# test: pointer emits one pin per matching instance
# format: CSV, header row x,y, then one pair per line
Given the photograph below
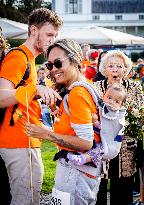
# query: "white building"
x,y
121,15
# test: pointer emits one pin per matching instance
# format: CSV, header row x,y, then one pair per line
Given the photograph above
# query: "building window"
x,y
73,6
118,17
97,18
141,17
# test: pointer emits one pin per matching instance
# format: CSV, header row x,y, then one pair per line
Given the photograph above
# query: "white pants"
x,y
18,168
82,189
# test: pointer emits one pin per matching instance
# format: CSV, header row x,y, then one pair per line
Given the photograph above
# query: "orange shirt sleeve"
x,y
81,106
13,67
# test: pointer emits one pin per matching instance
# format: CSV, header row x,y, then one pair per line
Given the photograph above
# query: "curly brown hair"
x,y
39,17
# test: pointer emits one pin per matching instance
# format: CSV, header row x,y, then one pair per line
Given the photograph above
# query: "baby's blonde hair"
x,y
120,88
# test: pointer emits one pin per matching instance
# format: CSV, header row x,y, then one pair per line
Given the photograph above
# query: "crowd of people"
x,y
43,104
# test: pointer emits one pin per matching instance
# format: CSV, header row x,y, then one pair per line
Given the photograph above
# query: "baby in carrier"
x,y
109,124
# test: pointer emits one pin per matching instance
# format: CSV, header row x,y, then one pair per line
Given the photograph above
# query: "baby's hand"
x,y
95,120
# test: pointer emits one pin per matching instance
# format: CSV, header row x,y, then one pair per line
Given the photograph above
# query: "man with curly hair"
x,y
43,27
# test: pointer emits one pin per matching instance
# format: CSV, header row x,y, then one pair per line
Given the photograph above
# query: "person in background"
x,y
132,74
91,70
5,195
43,27
43,76
142,74
85,47
4,46
74,132
98,75
140,65
115,66
43,80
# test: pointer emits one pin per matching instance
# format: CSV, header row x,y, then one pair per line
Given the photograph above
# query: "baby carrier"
x,y
112,122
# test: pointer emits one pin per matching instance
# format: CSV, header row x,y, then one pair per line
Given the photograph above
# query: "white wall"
x,y
86,17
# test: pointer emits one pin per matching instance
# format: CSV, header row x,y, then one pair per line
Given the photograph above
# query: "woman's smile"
x,y
58,75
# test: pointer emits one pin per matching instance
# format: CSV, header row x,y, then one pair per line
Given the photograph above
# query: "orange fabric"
x,y
48,82
89,175
81,107
85,63
13,68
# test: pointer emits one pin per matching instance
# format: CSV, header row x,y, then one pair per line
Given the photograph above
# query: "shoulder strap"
x,y
23,80
90,88
2,56
103,84
27,71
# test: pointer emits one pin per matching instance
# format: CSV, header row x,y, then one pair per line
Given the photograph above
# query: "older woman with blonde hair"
x,y
115,66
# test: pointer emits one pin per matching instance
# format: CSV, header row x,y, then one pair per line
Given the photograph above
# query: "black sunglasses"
x,y
57,63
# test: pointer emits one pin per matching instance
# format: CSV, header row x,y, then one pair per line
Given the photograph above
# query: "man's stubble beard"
x,y
37,45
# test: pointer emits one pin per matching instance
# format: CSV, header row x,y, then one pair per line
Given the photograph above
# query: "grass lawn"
x,y
48,151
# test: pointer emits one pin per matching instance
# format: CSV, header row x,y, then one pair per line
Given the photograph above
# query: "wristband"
x,y
21,91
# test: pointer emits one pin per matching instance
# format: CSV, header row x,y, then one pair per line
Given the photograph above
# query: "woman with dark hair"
x,y
73,131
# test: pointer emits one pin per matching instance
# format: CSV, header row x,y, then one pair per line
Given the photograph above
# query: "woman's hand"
x,y
68,141
48,95
37,131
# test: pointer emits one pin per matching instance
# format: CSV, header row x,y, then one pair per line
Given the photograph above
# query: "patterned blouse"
x,y
127,162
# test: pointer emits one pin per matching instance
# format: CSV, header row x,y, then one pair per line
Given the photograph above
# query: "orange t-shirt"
x,y
81,107
13,68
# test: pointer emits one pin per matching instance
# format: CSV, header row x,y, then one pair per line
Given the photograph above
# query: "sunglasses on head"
x,y
57,63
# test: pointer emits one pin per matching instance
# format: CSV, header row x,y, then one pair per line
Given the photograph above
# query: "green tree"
x,y
135,56
27,6
142,54
18,10
10,3
47,5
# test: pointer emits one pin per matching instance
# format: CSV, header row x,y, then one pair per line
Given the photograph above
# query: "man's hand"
x,y
48,95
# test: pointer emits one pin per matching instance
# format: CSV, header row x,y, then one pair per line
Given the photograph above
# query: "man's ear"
x,y
33,30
